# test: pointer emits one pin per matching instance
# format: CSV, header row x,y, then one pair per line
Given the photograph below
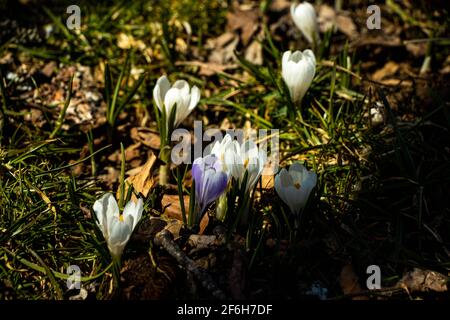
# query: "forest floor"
x,y
374,125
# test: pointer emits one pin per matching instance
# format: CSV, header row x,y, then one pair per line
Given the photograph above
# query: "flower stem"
x,y
164,169
116,271
164,175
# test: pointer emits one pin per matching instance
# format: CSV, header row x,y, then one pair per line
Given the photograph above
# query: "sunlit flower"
x,y
298,70
117,227
225,150
179,94
252,161
210,181
305,18
295,185
238,159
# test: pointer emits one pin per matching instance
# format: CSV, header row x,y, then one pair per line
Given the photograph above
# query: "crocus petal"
x,y
190,101
210,181
308,54
119,235
231,162
217,149
295,199
216,183
171,98
309,181
100,209
112,211
284,60
220,147
183,100
160,90
195,97
297,172
197,175
301,76
283,181
135,210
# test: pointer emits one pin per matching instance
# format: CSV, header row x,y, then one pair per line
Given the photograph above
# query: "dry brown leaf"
x,y
417,49
222,48
49,69
171,205
147,137
346,25
111,177
244,21
142,178
36,117
389,69
279,5
207,68
221,41
132,152
328,19
349,282
203,224
172,209
267,181
254,53
420,280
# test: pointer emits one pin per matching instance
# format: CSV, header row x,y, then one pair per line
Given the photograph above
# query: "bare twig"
x,y
165,240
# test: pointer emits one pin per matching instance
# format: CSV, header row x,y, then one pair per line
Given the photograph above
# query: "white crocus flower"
x,y
237,159
298,70
227,151
179,94
305,18
116,227
295,185
253,161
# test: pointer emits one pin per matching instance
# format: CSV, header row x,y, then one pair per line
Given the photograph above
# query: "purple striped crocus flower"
x,y
210,182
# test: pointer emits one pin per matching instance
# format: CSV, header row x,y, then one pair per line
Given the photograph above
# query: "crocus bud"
x,y
295,185
305,19
222,207
179,94
298,70
117,227
377,114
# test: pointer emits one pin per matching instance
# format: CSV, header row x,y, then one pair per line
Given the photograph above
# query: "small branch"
x,y
165,240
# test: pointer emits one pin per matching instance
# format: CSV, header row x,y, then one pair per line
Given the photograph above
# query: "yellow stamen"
x,y
297,185
246,163
121,217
